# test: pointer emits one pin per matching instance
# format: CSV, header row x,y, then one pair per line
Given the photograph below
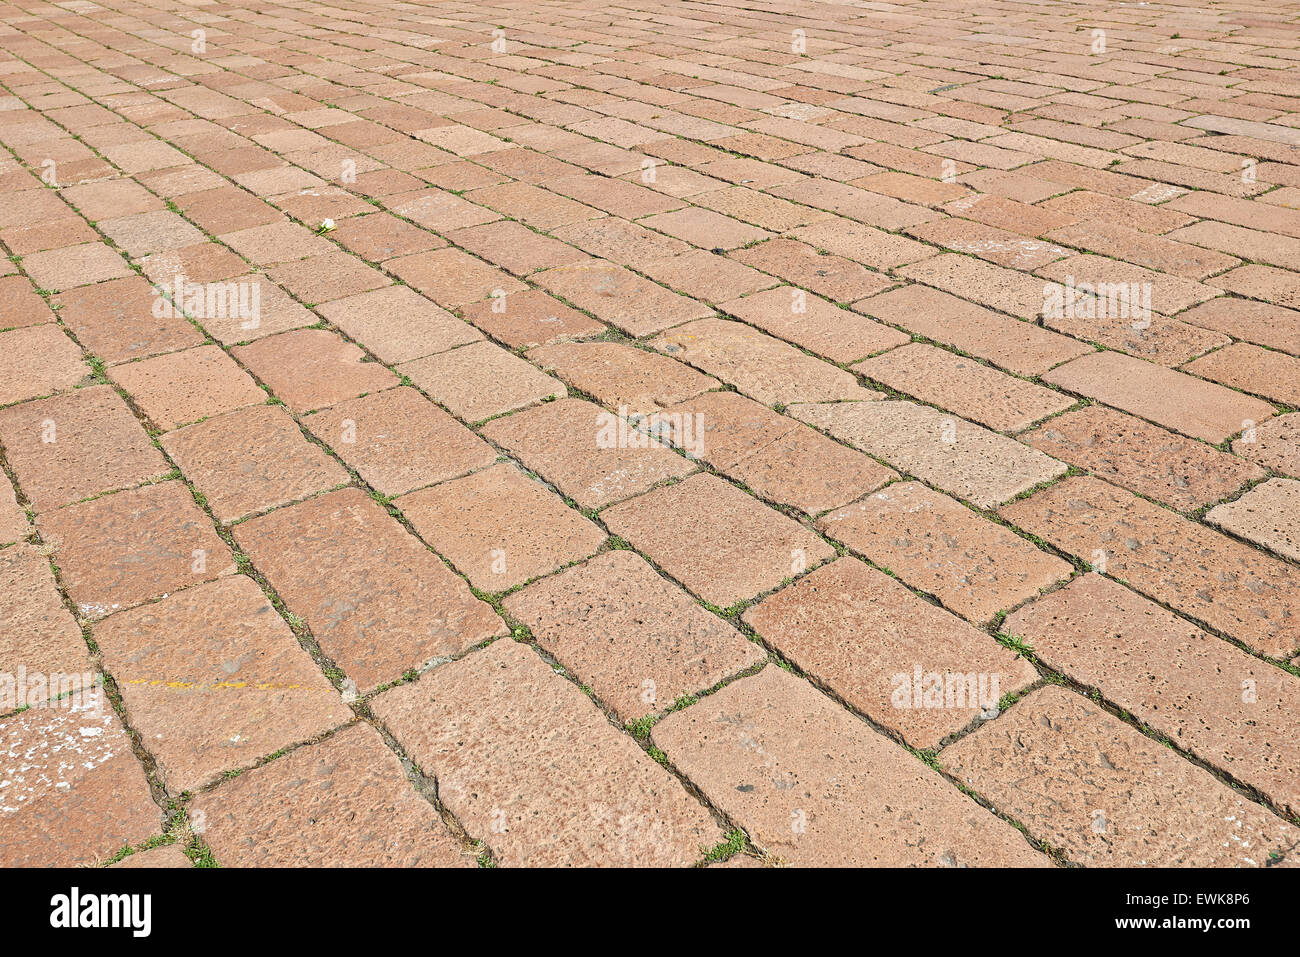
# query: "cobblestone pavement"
x,y
653,432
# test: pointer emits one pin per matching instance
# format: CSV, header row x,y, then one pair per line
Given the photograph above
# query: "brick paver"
x,y
1208,576
812,785
720,543
938,546
871,641
957,456
213,678
553,783
339,343
375,599
354,793
251,460
636,639
1209,697
499,527
1142,805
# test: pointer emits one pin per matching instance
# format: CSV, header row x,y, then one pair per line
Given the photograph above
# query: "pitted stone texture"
x,y
815,786
1274,444
13,518
620,297
499,527
277,312
1145,458
213,679
342,802
21,305
836,278
129,547
1268,515
1003,289
515,745
397,324
880,648
778,458
168,855
38,360
1221,704
73,446
586,452
960,457
531,318
75,792
981,394
620,376
1172,399
764,368
398,440
974,566
722,544
187,386
313,368
1013,345
38,636
1258,322
638,641
814,324
251,460
1263,372
1202,573
1081,780
376,600
480,380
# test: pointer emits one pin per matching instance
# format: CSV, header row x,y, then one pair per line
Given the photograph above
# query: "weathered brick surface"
x,y
1016,346
38,636
376,600
342,802
775,456
585,452
74,446
814,785
312,368
1268,515
766,318
620,376
721,543
984,395
1274,444
972,565
1249,368
533,768
1083,781
1208,696
1142,457
187,386
75,793
499,527
480,380
129,547
958,456
877,645
814,324
251,460
213,679
1202,573
1172,399
398,440
36,361
758,365
637,640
